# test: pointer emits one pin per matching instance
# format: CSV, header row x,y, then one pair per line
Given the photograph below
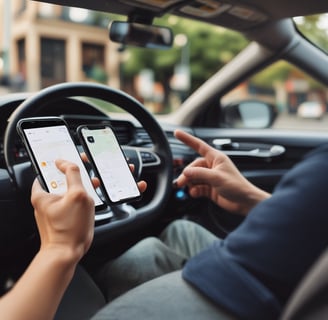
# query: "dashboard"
x,y
17,223
76,112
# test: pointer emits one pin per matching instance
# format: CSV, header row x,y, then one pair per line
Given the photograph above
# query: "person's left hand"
x,y
65,222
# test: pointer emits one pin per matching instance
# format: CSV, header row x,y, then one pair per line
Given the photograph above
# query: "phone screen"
x,y
49,143
110,163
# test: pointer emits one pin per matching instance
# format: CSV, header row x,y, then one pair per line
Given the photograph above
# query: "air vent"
x,y
142,137
123,133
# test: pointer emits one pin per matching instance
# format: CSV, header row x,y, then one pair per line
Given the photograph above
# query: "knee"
x,y
176,228
140,253
144,250
148,244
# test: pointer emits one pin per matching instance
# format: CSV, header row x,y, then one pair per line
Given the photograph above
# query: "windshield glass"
x,y
163,79
74,46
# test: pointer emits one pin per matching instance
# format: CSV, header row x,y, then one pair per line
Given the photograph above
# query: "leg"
x,y
153,257
146,260
186,238
167,297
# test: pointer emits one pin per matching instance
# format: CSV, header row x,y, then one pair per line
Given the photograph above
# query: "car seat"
x,y
310,299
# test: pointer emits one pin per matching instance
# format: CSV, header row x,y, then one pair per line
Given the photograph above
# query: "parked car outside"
x,y
311,110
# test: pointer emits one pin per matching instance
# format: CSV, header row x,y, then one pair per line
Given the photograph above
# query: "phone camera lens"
x,y
91,139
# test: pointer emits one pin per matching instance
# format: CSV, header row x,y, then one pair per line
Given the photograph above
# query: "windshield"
x,y
82,51
165,78
71,44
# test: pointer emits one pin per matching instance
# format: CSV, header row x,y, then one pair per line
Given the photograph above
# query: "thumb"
x,y
72,173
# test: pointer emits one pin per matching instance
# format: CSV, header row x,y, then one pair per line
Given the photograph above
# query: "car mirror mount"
x,y
141,35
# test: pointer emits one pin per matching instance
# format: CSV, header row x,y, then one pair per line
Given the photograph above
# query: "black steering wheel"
x,y
126,216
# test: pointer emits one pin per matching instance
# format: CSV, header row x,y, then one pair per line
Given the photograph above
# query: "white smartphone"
x,y
46,140
109,162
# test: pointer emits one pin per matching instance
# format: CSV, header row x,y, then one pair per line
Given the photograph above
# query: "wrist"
x,y
62,255
255,196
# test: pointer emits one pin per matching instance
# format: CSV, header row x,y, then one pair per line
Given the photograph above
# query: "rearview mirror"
x,y
141,35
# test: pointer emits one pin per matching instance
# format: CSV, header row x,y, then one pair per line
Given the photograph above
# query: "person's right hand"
x,y
65,222
214,175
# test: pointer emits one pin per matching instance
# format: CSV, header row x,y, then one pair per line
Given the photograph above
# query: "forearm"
x,y
38,292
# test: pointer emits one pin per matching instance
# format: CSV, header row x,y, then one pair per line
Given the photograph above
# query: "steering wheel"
x,y
126,216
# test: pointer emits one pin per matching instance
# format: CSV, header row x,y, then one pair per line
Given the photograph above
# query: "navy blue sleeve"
x,y
255,269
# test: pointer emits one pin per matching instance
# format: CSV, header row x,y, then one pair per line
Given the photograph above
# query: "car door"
x,y
263,153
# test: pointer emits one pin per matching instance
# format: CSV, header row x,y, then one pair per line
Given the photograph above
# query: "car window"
x,y
300,101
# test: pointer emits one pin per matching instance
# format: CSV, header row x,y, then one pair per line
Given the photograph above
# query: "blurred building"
x,y
51,44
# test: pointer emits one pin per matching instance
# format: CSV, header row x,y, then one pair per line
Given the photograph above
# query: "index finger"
x,y
197,144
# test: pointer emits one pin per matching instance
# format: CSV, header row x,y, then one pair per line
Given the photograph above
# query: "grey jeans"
x,y
164,298
147,278
153,257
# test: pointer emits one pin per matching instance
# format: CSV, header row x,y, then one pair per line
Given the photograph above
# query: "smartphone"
x,y
46,140
109,162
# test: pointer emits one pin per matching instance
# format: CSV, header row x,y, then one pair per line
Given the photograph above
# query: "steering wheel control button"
x,y
147,157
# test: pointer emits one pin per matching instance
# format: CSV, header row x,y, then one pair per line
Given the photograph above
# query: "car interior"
x,y
262,152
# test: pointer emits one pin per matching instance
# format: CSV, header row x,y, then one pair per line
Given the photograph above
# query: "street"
x,y
291,121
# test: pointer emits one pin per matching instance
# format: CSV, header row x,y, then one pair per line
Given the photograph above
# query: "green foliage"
x,y
279,72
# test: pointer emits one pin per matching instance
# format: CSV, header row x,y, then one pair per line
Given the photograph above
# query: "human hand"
x,y
65,222
214,176
142,185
